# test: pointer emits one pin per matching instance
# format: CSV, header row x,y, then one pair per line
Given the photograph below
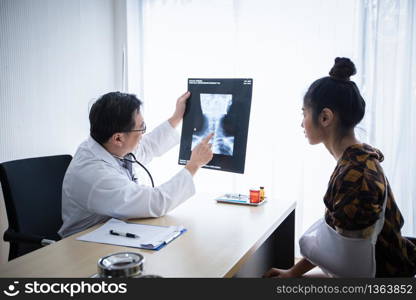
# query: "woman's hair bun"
x,y
342,69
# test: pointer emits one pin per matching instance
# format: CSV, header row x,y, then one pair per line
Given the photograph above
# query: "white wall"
x,y
284,46
55,57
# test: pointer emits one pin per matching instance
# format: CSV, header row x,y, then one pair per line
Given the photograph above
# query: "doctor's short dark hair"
x,y
339,94
112,113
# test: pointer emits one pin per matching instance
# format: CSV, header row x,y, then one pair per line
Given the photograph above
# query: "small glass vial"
x,y
254,196
262,195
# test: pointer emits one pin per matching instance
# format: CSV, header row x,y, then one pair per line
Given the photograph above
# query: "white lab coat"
x,y
96,187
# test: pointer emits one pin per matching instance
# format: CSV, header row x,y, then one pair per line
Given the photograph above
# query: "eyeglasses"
x,y
142,130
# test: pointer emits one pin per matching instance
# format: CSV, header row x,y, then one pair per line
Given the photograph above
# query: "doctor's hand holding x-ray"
x,y
100,183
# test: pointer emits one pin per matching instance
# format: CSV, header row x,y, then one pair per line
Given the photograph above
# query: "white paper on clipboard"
x,y
150,236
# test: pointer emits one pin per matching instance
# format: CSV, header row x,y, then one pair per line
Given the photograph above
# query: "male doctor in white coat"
x,y
100,182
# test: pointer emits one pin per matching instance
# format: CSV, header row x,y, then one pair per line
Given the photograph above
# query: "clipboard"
x,y
150,237
238,199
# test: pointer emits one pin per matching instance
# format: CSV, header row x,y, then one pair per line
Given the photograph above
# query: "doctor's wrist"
x,y
174,121
191,167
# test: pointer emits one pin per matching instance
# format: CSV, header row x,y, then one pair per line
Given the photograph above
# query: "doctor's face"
x,y
133,137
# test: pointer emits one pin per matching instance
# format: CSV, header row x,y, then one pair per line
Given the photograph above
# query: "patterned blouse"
x,y
354,200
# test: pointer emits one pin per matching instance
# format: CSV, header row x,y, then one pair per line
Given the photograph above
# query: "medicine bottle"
x,y
262,195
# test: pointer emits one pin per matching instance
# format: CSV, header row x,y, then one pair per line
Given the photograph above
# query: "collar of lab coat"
x,y
101,153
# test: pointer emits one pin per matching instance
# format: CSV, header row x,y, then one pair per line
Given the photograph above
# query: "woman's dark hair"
x,y
111,113
337,93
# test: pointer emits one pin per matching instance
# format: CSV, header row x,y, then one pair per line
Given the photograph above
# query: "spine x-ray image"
x,y
222,107
214,108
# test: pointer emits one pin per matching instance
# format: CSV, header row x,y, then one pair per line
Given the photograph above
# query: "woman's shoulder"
x,y
360,161
357,177
361,153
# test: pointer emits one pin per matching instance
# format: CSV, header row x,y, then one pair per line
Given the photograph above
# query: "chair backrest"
x,y
32,190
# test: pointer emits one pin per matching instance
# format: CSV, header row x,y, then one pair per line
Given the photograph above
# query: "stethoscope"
x,y
132,161
123,159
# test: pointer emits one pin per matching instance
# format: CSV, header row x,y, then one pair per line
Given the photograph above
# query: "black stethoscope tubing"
x,y
136,161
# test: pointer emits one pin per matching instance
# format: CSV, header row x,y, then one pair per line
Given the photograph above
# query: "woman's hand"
x,y
179,110
280,273
297,270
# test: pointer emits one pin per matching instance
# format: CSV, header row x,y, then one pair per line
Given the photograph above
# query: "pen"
x,y
175,235
126,234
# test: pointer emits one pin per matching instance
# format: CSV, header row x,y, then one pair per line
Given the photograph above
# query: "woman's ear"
x,y
326,117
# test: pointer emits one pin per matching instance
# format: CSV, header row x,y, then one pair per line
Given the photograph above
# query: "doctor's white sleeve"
x,y
157,142
118,197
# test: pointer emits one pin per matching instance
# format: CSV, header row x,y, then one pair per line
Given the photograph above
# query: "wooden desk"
x,y
223,240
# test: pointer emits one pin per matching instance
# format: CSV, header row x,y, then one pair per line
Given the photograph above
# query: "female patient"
x,y
332,107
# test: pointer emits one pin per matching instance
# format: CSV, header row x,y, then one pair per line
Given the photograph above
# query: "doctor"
x,y
100,182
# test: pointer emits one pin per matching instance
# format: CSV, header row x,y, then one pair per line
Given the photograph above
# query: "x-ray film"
x,y
222,107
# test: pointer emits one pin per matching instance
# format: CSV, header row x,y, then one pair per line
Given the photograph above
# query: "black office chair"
x,y
32,190
412,239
